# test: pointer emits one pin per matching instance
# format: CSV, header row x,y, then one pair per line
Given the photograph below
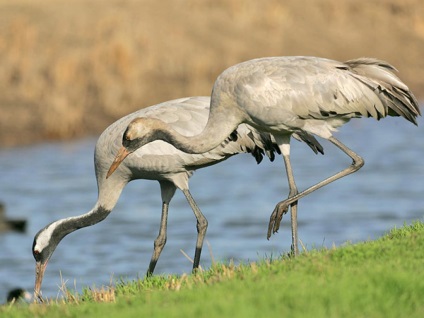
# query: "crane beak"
x,y
122,154
40,268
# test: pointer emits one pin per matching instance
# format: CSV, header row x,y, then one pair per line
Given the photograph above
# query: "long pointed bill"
x,y
40,268
122,154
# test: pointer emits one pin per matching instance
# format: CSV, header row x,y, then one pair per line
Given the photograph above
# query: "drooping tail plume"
x,y
379,76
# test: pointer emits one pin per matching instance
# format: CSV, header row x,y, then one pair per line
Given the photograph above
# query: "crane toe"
x,y
277,215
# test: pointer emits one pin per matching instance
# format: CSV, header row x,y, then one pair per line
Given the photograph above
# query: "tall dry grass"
x,y
68,69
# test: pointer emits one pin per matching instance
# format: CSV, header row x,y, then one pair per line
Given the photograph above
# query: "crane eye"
x,y
36,252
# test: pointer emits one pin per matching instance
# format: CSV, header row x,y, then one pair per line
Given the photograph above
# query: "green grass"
x,y
382,278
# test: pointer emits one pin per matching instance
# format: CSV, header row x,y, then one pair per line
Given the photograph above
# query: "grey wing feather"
x,y
310,140
378,75
260,143
247,139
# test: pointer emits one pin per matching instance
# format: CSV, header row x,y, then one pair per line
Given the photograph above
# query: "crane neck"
x,y
108,195
66,226
220,125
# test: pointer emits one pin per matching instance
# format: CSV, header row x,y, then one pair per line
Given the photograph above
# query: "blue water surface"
x,y
50,181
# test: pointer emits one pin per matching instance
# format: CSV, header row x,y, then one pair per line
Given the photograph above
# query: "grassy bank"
x,y
382,278
69,69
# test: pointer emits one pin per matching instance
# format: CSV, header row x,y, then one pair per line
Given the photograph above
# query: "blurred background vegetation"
x,y
70,68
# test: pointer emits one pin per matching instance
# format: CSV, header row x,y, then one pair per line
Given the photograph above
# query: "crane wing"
x,y
281,90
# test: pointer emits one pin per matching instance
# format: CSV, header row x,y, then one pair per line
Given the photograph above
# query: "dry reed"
x,y
70,69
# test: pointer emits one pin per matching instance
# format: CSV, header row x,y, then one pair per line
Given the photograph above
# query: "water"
x,y
51,181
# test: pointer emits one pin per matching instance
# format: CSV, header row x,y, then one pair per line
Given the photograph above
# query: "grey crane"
x,y
284,96
158,161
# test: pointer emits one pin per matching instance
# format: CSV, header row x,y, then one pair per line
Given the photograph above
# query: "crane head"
x,y
45,242
139,132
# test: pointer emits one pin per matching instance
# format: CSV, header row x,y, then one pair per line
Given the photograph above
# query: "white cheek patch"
x,y
44,238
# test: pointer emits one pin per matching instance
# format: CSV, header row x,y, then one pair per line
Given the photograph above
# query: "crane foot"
x,y
277,215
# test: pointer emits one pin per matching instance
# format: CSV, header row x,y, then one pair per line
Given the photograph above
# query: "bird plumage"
x,y
157,161
312,94
283,95
292,95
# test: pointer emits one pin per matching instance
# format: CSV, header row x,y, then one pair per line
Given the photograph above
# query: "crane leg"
x,y
293,206
295,239
284,145
282,207
160,240
202,226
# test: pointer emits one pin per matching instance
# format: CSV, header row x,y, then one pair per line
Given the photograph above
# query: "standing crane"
x,y
287,95
157,161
